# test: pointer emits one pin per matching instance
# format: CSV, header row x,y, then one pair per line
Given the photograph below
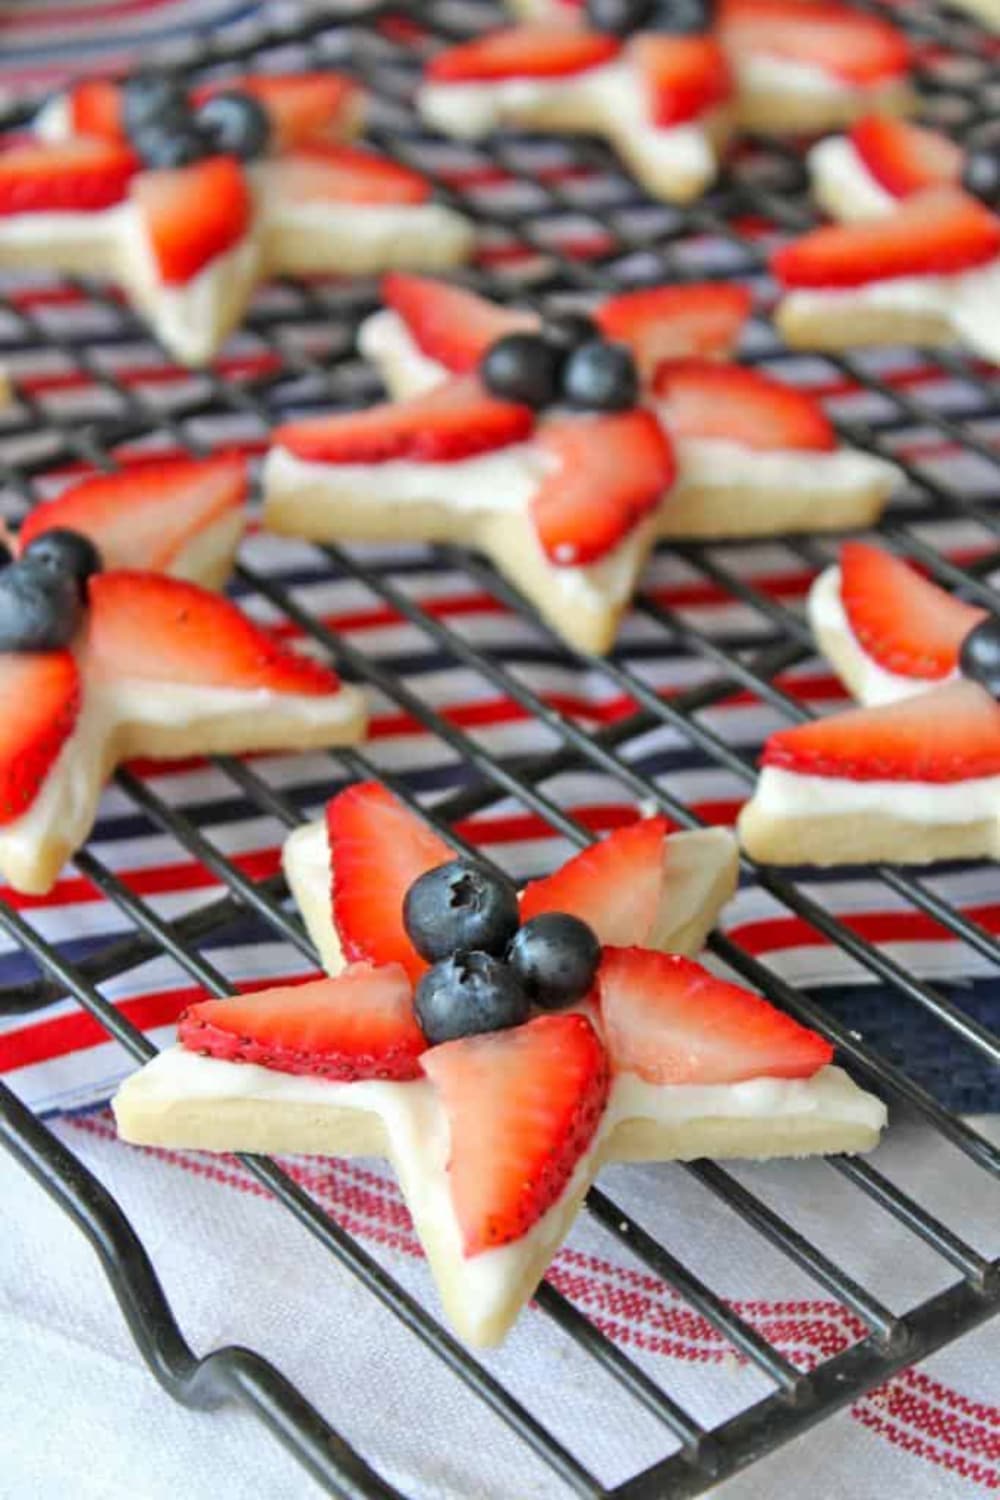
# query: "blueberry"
x,y
522,367
149,97
555,956
682,17
979,657
64,551
234,124
40,608
981,175
468,993
6,555
460,906
567,331
601,376
174,142
619,17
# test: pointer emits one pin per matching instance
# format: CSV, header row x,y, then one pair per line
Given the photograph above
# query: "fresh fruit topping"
x,y
615,886
672,322
838,39
41,606
65,552
684,76
234,124
80,174
157,629
302,106
144,516
957,738
448,324
522,52
619,17
522,367
700,398
460,906
466,994
908,624
320,172
174,142
905,158
522,1108
568,330
193,214
555,956
151,98
671,1021
940,231
981,169
378,848
979,657
95,108
358,1025
452,422
601,377
39,704
610,473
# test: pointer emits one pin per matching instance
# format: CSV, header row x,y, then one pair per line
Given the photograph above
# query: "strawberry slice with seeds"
x,y
146,515
610,472
523,52
698,398
937,232
78,175
453,421
358,1025
193,214
149,628
671,1021
378,848
449,324
39,705
672,322
302,106
320,172
95,108
955,737
684,76
522,1108
903,620
905,158
615,886
860,48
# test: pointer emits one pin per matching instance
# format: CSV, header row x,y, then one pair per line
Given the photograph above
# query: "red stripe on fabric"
x,y
877,927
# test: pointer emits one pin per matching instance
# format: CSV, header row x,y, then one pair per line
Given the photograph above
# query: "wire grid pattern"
x,y
558,220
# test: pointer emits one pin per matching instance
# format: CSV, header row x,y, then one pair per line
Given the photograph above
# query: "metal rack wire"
x,y
560,220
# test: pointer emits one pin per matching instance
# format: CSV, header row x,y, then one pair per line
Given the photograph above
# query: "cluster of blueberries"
x,y
487,970
979,655
44,591
622,17
567,361
165,130
981,173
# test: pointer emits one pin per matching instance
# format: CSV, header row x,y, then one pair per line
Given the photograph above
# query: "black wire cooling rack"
x,y
557,218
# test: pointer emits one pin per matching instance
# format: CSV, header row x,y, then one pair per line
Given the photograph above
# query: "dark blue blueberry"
x,y
981,174
556,957
568,330
234,124
522,367
682,17
172,142
601,377
149,98
979,657
460,906
619,17
64,551
6,556
466,994
40,607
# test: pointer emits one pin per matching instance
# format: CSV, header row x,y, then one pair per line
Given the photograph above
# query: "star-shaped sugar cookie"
x,y
496,1135
189,242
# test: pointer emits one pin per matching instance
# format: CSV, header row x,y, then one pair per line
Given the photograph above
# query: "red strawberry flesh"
x,y
684,76
905,158
95,109
39,704
193,214
615,886
706,399
523,52
302,106
80,175
450,324
860,48
907,623
673,322
318,172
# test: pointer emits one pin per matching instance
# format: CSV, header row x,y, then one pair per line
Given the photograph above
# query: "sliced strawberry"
x,y
939,231
359,1025
321,172
908,624
905,158
452,422
95,108
150,628
615,886
144,516
861,48
192,214
302,106
377,850
81,174
39,705
611,471
522,1108
672,322
954,736
448,323
684,76
671,1021
699,398
523,52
